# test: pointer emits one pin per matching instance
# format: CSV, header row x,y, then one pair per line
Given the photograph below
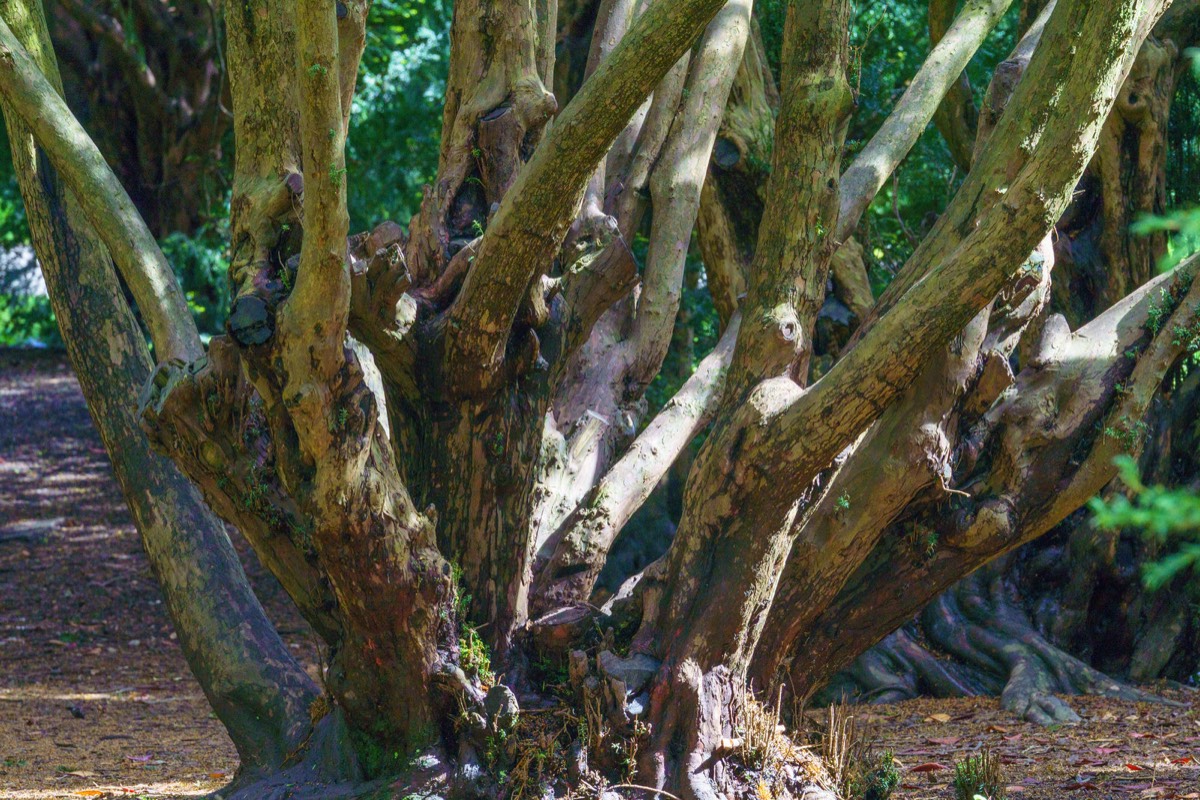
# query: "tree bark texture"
x,y
517,325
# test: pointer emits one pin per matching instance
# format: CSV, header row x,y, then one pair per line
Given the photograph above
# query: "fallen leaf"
x,y
947,741
931,766
938,718
1134,768
90,793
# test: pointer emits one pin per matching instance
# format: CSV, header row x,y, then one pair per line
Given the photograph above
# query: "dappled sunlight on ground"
x,y
96,700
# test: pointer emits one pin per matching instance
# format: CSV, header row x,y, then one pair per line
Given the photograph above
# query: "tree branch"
x,y
924,95
314,317
103,201
535,213
956,115
796,238
255,687
784,434
582,545
676,182
1083,391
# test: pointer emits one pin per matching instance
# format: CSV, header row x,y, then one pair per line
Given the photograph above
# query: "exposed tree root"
x,y
993,647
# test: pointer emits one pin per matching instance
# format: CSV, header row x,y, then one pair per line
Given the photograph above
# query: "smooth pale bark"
x,y
534,215
675,185
258,691
930,89
956,115
608,377
102,200
580,552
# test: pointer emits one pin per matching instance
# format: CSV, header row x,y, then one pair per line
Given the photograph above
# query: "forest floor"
x,y
96,700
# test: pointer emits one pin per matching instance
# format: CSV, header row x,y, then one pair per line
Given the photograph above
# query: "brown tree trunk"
x,y
1098,257
255,686
513,315
999,642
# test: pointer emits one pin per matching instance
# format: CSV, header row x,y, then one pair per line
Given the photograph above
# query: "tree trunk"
x,y
449,561
1048,601
147,80
256,688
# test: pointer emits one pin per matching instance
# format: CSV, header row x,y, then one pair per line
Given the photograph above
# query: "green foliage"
x,y
201,265
395,125
24,319
473,654
475,658
1169,518
14,227
879,779
979,777
1182,227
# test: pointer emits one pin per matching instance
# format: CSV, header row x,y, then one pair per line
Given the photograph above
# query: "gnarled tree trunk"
x,y
447,559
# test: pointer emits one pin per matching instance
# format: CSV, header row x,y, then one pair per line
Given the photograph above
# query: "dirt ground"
x,y
96,701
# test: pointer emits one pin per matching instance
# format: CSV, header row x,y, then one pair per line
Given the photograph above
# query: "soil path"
x,y
95,697
96,700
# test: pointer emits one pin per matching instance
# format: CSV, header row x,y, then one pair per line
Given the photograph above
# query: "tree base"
x,y
976,640
588,740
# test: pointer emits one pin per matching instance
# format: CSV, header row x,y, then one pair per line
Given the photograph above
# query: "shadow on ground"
x,y
96,700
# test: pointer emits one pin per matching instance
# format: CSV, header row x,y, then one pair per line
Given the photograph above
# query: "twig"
x,y
645,789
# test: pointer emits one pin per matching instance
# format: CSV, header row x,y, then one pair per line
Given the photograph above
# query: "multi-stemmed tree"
x,y
461,512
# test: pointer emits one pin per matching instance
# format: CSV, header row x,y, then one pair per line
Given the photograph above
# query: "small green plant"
x,y
474,657
1159,310
1128,433
843,502
879,778
473,654
477,226
338,423
979,776
317,70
